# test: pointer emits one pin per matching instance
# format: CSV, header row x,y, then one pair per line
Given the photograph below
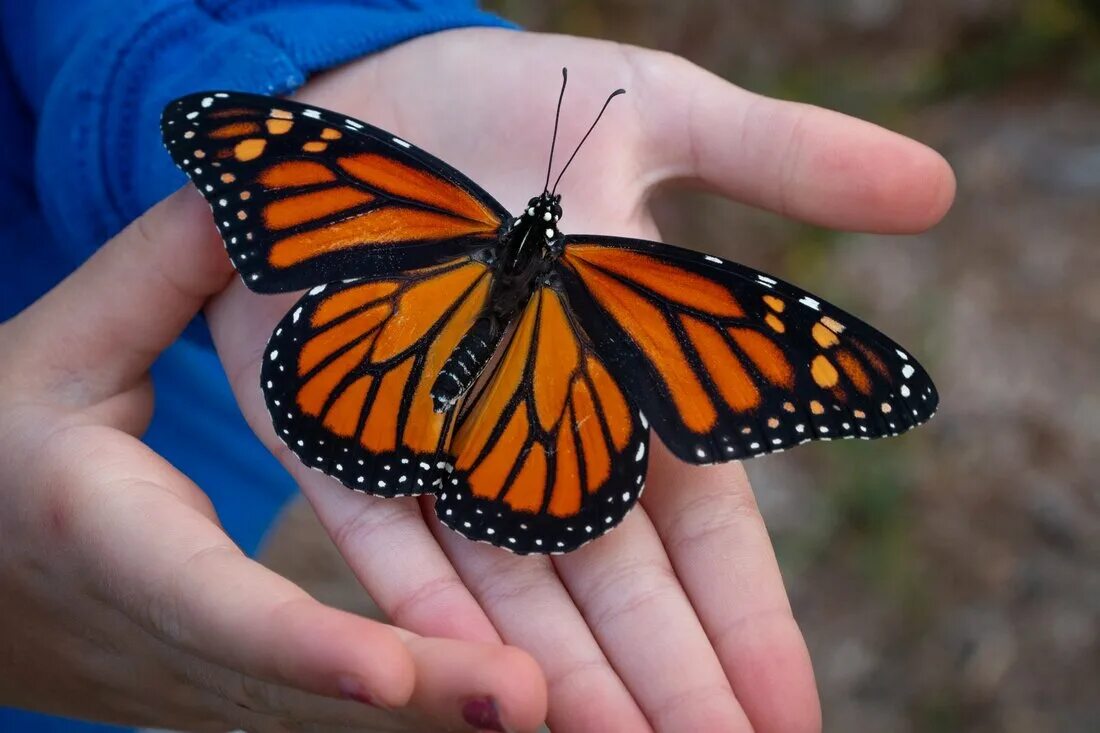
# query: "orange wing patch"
x,y
550,451
766,355
345,301
566,494
343,416
378,226
235,129
526,493
544,383
555,362
488,480
349,370
307,207
331,340
406,182
295,173
649,328
425,425
420,307
724,367
315,393
380,431
668,281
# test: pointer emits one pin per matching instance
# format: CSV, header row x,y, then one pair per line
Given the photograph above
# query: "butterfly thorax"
x,y
526,248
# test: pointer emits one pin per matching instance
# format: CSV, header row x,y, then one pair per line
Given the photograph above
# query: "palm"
x,y
677,620
493,120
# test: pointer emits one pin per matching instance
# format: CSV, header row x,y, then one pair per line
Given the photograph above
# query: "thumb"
x,y
798,160
112,317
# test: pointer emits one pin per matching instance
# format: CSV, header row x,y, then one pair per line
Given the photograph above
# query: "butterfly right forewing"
x,y
728,362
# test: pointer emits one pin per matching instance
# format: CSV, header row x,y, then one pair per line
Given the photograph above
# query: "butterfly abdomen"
x,y
465,363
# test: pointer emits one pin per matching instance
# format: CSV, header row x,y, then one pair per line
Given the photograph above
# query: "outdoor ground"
x,y
948,580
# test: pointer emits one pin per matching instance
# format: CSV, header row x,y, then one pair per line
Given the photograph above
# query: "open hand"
x,y
677,620
121,599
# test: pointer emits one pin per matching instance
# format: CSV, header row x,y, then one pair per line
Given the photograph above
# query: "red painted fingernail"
x,y
483,714
352,689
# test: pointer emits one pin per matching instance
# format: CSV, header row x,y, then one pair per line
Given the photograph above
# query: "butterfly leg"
x,y
556,247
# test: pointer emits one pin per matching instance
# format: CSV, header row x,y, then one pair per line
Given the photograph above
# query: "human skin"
x,y
678,619
122,599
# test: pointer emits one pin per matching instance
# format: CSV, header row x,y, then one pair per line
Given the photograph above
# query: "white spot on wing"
x,y
401,142
715,260
809,302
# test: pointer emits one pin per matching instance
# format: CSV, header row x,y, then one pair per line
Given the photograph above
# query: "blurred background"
x,y
947,580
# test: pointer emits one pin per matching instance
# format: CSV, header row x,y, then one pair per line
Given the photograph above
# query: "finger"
x,y
397,559
719,547
460,685
391,551
625,586
798,160
110,318
484,686
531,609
178,576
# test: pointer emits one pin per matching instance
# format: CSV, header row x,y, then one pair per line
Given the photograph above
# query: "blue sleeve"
x,y
96,74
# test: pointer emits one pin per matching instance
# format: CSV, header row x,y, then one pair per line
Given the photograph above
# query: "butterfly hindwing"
x,y
348,372
551,453
728,362
304,196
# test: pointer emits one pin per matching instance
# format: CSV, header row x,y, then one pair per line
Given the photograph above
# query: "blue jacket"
x,y
82,84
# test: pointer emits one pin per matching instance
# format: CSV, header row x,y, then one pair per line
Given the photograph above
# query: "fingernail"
x,y
483,714
352,689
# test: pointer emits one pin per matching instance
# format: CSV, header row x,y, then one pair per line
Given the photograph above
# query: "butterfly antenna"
x,y
613,94
557,116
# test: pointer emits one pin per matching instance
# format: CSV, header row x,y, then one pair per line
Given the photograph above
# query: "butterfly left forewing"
x,y
550,454
728,362
304,196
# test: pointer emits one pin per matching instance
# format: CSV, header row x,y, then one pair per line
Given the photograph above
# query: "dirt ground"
x,y
948,580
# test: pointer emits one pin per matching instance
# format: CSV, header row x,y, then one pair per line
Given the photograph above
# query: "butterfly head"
x,y
546,208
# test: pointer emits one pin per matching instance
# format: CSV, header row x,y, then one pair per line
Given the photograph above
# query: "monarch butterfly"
x,y
447,347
